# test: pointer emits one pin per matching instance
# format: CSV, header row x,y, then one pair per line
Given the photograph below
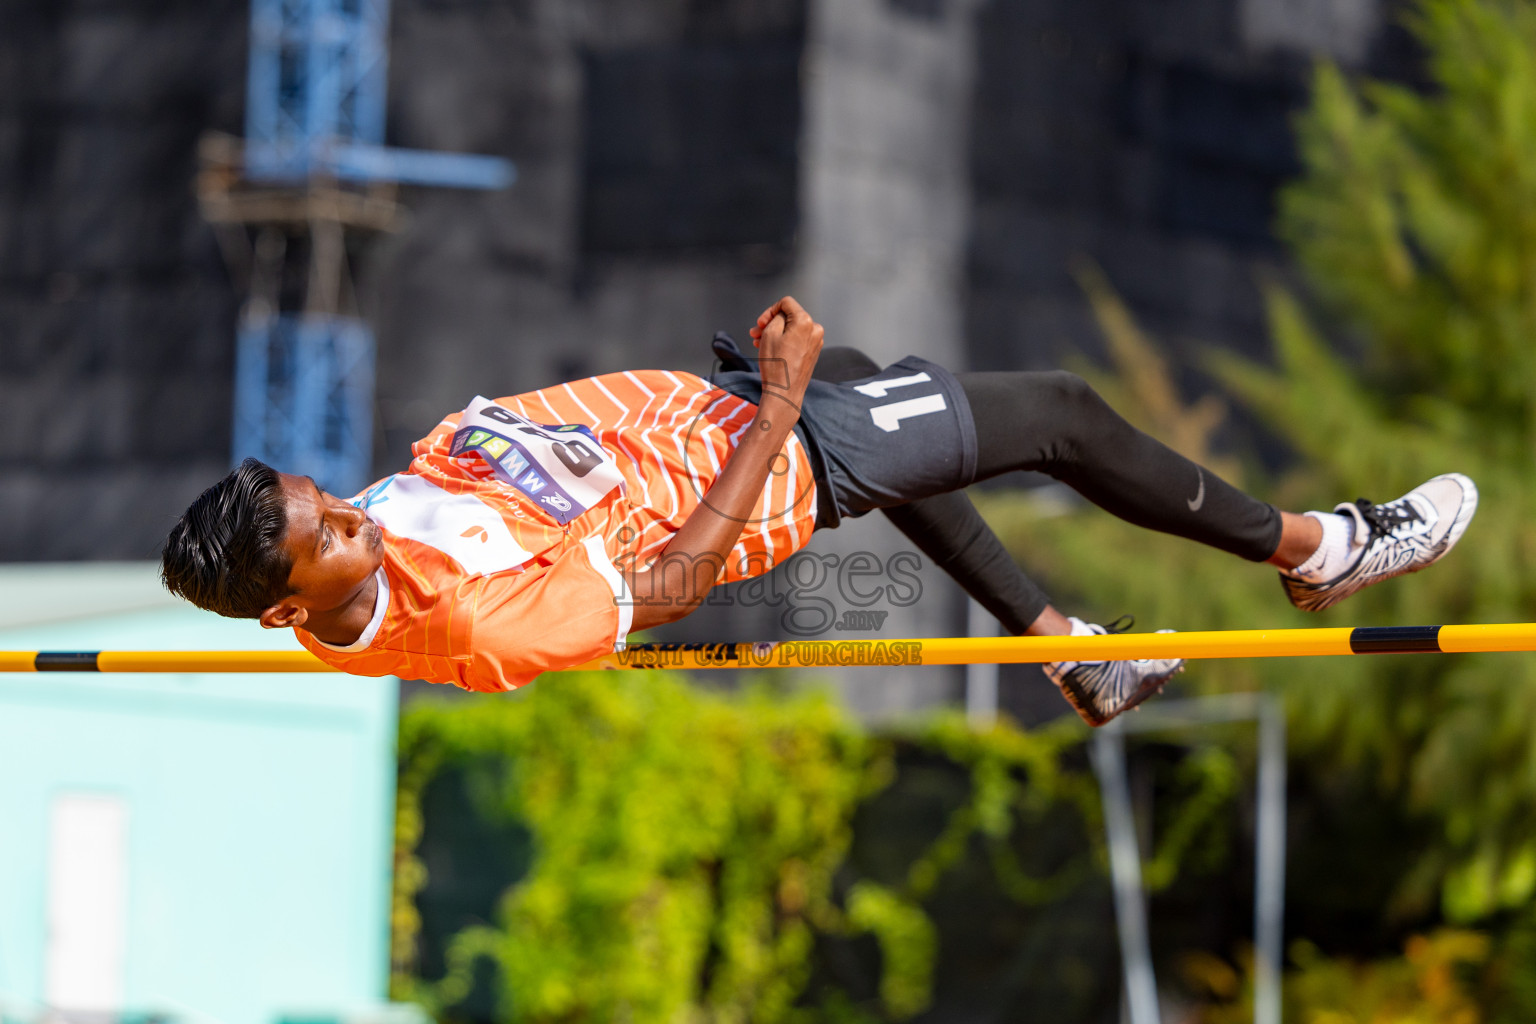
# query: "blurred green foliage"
x,y
1436,980
684,846
691,848
1415,223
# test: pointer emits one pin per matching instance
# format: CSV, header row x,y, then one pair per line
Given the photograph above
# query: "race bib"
x,y
561,469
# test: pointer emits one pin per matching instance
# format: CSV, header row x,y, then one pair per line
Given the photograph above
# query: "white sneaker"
x,y
1100,690
1389,540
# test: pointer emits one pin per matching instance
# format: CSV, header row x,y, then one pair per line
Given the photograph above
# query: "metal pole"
x,y
1269,842
1108,752
1269,880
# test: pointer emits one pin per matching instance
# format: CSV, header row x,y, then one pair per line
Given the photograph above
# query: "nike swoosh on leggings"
x,y
1199,498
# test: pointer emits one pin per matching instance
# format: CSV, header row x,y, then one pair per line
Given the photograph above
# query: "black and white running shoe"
x,y
1100,690
1389,540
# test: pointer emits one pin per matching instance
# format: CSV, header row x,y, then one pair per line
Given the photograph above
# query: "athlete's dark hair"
x,y
225,554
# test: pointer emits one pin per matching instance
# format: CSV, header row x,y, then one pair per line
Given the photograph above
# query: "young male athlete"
x,y
533,533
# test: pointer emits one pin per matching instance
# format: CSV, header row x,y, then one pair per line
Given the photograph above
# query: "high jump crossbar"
x,y
1240,643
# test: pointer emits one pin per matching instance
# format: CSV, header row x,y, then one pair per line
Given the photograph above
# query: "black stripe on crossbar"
x,y
66,661
1395,639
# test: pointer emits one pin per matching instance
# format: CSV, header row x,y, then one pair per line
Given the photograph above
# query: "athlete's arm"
x,y
788,342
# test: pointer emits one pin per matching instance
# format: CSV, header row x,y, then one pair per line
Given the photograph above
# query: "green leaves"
x,y
1415,224
673,831
1416,215
685,851
907,942
693,850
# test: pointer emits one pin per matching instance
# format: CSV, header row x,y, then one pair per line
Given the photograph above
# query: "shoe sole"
x,y
1150,687
1463,515
1298,592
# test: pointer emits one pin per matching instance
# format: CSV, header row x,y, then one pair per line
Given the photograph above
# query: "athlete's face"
x,y
334,547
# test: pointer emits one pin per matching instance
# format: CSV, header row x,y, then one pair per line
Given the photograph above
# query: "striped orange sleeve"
x,y
389,661
547,620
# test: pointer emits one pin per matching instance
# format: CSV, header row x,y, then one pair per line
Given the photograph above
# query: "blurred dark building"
x,y
116,314
925,174
1150,138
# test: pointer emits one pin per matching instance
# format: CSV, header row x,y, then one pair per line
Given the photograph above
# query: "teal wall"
x,y
260,813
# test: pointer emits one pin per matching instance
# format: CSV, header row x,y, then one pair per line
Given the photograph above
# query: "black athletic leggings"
x,y
1054,423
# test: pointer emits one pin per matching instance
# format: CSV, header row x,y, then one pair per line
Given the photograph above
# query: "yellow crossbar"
x,y
1241,643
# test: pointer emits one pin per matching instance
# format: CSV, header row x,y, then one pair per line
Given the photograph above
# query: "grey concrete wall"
x,y
886,206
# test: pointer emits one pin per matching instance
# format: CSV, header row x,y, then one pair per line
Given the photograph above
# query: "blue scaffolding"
x,y
304,396
315,117
316,99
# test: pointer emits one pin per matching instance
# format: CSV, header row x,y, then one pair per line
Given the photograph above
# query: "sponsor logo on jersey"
x,y
460,525
374,495
514,463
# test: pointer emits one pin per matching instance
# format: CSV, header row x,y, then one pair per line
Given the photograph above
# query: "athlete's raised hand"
x,y
788,342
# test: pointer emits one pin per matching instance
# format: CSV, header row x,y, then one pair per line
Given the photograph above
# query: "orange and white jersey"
x,y
503,536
